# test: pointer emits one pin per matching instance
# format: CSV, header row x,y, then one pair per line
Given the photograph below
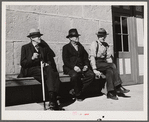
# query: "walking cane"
x,y
43,88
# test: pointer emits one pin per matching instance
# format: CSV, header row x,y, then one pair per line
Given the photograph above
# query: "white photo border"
x,y
67,115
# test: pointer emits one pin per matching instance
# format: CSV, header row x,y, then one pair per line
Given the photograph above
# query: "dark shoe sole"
x,y
122,92
80,100
56,108
113,98
59,109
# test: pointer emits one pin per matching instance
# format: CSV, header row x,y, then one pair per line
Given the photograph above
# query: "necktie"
x,y
37,48
105,44
76,47
38,51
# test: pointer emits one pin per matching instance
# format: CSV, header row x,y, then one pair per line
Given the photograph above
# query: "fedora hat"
x,y
102,32
34,32
73,33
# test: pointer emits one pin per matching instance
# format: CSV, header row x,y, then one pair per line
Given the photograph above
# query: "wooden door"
x,y
128,42
124,54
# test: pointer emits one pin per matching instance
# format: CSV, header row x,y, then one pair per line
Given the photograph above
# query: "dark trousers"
x,y
79,82
51,77
112,76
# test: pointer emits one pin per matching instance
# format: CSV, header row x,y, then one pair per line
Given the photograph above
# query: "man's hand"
x,y
109,60
85,68
103,76
97,73
35,56
46,64
77,69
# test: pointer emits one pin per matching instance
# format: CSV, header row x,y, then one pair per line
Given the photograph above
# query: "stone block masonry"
x,y
54,21
19,23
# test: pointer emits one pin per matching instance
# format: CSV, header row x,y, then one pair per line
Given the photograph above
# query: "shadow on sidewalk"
x,y
66,101
94,90
70,99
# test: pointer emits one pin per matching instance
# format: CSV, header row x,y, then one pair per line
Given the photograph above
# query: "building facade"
x,y
123,23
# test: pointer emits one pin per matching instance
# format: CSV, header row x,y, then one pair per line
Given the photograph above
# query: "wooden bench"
x,y
12,80
28,90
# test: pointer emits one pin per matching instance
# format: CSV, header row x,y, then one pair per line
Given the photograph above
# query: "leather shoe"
x,y
122,90
112,96
79,98
54,106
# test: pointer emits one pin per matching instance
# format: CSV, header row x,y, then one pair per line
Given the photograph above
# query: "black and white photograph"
x,y
74,61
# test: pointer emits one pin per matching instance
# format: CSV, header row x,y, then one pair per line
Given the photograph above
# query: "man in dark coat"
x,y
31,55
76,64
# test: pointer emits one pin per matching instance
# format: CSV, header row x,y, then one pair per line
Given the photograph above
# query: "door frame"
x,y
132,45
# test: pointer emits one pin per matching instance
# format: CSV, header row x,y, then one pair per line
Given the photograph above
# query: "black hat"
x,y
102,32
34,32
73,33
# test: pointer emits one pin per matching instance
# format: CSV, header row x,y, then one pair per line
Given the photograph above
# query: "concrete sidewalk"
x,y
133,101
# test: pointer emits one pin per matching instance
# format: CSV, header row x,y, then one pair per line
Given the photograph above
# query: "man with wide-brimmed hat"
x,y
76,64
99,59
31,55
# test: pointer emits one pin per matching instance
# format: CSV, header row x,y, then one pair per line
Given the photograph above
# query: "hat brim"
x,y
34,35
73,36
102,34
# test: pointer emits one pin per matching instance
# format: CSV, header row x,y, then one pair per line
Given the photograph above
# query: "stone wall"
x,y
54,21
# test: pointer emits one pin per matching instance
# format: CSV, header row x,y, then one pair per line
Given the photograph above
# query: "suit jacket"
x,y
47,55
70,57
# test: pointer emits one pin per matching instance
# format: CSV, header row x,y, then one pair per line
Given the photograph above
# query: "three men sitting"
x,y
76,65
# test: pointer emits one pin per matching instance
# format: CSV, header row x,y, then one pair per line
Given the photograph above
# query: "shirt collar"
x,y
74,44
34,44
99,42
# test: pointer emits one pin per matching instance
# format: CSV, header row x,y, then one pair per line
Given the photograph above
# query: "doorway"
x,y
125,43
